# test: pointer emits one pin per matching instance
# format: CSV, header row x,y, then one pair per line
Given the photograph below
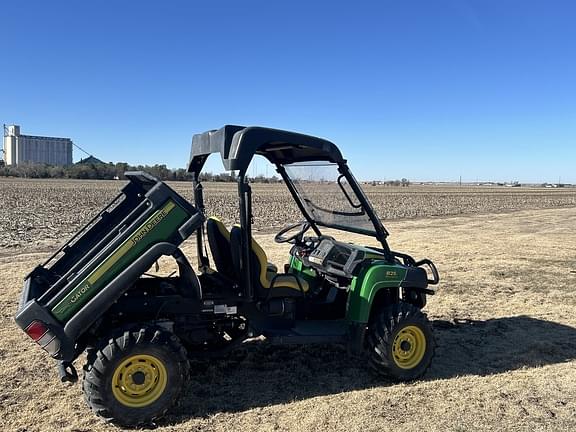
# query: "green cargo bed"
x,y
90,272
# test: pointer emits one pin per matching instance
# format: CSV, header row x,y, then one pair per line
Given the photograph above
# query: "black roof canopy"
x,y
238,144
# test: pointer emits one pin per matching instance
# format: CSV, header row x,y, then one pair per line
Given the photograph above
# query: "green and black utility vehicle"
x,y
94,295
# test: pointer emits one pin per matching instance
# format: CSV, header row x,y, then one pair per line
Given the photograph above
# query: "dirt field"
x,y
503,317
39,213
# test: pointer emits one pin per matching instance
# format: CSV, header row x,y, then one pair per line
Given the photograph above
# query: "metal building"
x,y
20,149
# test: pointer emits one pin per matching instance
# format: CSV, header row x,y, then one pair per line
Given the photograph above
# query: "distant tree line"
x,y
231,177
111,171
97,171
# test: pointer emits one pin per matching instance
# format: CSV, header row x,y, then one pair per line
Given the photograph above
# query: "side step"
x,y
310,332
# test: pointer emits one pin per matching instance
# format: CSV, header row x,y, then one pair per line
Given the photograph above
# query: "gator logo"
x,y
80,292
391,274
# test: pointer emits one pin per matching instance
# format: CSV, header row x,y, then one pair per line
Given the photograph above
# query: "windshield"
x,y
328,198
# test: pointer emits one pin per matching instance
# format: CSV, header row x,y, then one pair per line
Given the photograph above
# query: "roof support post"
x,y
245,201
203,263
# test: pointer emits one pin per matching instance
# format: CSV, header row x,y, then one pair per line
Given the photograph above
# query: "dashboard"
x,y
335,258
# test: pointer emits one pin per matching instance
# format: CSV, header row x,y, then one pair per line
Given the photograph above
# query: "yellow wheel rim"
x,y
139,380
409,347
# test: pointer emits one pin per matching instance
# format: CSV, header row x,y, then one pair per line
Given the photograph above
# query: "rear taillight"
x,y
42,335
36,330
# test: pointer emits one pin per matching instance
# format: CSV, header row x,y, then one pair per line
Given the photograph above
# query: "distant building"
x,y
90,160
19,149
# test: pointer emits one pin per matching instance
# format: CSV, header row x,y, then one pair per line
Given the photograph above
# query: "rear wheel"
x,y
399,342
135,377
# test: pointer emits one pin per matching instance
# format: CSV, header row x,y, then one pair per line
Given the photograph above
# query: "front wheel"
x,y
135,377
399,342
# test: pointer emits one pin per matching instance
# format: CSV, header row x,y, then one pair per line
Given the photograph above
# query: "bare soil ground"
x,y
39,213
503,317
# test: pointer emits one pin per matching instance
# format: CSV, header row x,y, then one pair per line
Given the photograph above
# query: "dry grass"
x,y
504,321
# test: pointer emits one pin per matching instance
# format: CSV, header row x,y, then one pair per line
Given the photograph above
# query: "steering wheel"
x,y
295,238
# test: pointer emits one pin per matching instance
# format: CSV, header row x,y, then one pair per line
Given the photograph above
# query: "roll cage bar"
x,y
237,145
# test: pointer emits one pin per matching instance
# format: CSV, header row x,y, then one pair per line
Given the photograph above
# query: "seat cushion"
x,y
288,281
263,274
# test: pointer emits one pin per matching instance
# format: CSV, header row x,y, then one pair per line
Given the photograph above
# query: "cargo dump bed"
x,y
64,296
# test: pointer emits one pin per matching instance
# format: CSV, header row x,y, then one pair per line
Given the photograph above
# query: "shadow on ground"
x,y
261,374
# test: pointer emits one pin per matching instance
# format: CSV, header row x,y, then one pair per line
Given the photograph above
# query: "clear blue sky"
x,y
428,90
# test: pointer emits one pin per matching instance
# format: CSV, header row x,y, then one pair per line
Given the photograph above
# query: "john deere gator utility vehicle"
x,y
93,295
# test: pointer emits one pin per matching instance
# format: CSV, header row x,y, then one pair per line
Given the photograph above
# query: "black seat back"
x,y
219,241
258,260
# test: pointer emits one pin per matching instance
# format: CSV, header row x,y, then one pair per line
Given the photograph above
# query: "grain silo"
x,y
20,149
